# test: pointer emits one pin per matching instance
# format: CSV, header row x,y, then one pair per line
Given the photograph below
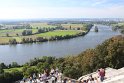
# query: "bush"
x,y
12,41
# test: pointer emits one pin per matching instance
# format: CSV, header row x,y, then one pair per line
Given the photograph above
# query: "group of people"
x,y
53,76
98,79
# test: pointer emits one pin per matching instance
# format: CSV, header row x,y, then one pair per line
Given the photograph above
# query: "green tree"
x,y
3,66
7,34
1,71
14,64
12,41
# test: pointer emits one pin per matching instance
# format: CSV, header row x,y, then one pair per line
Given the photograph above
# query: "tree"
x,y
39,39
72,72
24,33
1,71
17,34
42,66
29,71
122,31
16,75
23,40
12,41
70,27
3,66
41,30
7,34
29,32
14,64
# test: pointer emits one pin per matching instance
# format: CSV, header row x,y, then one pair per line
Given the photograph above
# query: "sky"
x,y
37,9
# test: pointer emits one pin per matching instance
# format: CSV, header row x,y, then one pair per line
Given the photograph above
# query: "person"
x,y
44,76
69,81
84,81
59,77
38,80
52,71
34,76
65,80
102,74
39,75
90,77
96,80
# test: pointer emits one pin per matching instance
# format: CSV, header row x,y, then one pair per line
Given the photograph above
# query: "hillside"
x,y
109,54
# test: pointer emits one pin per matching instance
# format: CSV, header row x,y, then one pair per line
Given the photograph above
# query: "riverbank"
x,y
61,48
43,37
40,32
118,26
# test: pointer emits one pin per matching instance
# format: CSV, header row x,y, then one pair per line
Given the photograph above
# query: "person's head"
x,y
101,68
87,80
90,76
69,81
46,82
95,78
92,79
84,81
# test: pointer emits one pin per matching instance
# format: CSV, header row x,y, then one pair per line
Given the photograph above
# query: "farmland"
x,y
72,25
42,25
58,33
64,30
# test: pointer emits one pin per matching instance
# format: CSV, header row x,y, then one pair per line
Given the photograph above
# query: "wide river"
x,y
22,53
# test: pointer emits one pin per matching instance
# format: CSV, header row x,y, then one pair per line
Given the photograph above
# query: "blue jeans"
x,y
102,78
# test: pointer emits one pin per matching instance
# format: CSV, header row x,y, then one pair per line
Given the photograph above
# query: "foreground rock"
x,y
112,76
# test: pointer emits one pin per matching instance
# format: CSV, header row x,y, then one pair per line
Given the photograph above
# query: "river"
x,y
22,53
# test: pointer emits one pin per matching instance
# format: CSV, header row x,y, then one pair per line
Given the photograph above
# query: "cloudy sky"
x,y
31,9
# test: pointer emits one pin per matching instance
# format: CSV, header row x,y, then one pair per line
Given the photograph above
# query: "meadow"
x,y
58,33
42,25
47,35
7,34
72,25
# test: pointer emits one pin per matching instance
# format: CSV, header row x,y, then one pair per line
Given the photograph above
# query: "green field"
x,y
12,69
47,34
4,40
12,33
121,25
41,25
16,68
58,33
73,25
